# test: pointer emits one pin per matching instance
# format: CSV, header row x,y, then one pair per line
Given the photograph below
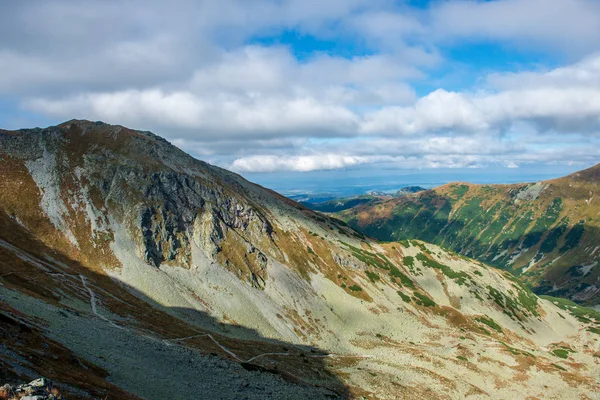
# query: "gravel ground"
x,y
152,369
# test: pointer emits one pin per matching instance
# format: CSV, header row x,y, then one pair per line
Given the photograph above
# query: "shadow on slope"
x,y
133,342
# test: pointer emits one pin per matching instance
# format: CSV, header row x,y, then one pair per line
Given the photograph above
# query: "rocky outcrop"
x,y
39,389
92,176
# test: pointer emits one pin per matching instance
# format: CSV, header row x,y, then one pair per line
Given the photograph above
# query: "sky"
x,y
282,90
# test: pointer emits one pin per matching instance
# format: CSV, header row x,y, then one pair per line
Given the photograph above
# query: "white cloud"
x,y
565,99
315,162
237,116
271,163
186,70
440,110
246,96
585,73
571,26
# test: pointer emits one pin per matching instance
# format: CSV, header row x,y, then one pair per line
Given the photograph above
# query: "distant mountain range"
x,y
547,233
129,269
340,204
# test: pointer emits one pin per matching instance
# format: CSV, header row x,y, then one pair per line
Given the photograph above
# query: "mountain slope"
x,y
172,277
547,232
344,203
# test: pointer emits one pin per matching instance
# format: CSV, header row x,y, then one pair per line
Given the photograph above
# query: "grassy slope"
x,y
337,205
547,233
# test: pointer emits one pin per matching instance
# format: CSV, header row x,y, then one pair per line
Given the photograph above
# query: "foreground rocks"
x,y
39,389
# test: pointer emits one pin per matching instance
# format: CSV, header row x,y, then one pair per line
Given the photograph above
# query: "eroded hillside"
x,y
167,276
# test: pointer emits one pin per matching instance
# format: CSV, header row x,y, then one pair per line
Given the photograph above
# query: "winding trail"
x,y
170,342
93,303
208,335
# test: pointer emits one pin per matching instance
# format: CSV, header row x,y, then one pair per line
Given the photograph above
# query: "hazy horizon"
x,y
353,182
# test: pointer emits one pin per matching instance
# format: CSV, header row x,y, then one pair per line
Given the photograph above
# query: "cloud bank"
x,y
300,85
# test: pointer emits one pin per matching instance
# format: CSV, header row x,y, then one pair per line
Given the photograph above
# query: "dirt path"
x,y
171,342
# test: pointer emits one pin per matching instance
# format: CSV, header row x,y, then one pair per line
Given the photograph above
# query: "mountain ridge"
x,y
539,231
133,238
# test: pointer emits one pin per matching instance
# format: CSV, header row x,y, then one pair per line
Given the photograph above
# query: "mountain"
x,y
547,232
371,198
129,269
409,190
336,205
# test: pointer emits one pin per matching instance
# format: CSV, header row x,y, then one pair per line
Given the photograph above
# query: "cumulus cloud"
x,y
568,109
260,102
316,162
527,23
237,116
270,163
214,78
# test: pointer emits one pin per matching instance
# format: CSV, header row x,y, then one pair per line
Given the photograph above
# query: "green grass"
x,y
423,248
403,296
404,243
527,298
558,367
573,237
409,261
373,277
421,299
462,358
491,323
516,352
485,331
584,314
460,190
562,353
405,280
355,288
477,296
514,306
459,277
551,241
373,260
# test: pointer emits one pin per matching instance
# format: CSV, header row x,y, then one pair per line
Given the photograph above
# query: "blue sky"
x,y
292,90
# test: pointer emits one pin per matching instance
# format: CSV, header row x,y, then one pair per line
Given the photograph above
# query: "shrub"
x,y
423,300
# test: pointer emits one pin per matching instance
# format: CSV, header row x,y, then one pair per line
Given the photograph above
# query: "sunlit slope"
x,y
548,232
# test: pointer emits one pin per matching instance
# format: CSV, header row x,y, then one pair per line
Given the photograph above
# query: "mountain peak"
x,y
591,174
85,126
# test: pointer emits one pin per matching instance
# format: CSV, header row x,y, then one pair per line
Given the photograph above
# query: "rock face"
x,y
124,177
547,232
170,277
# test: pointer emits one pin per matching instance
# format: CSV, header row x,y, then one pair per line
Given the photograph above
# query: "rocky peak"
x,y
93,175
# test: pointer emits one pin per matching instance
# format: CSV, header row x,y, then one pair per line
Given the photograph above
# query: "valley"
x,y
545,233
130,269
